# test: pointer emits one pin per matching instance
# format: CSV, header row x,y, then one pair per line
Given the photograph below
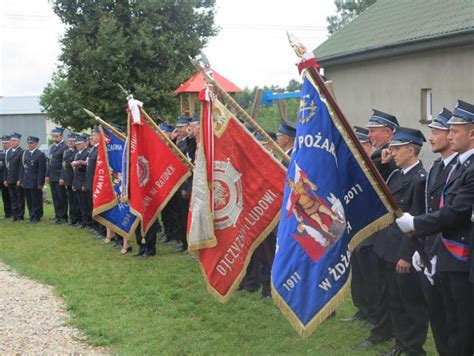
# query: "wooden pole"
x,y
283,109
256,103
106,124
237,109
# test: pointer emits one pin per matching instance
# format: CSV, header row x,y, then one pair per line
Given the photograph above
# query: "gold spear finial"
x,y
296,44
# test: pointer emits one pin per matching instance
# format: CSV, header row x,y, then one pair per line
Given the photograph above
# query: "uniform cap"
x,y
382,119
405,136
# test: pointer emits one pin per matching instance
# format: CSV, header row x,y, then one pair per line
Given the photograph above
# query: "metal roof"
x,y
391,23
197,82
18,105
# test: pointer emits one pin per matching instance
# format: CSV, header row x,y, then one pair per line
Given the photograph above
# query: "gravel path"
x,y
33,320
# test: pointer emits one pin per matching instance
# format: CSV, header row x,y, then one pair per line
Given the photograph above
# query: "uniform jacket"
x,y
66,170
79,172
13,165
188,147
435,182
91,163
385,169
33,169
2,166
454,219
409,192
471,272
55,161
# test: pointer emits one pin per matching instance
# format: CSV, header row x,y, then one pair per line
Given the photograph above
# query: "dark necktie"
x,y
437,171
453,171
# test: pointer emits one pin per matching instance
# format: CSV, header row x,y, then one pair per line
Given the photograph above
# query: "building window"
x,y
426,106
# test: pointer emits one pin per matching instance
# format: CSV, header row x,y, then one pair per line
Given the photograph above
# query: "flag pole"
x,y
239,110
300,51
106,124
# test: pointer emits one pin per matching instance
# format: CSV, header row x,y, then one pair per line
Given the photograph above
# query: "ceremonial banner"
x,y
247,189
201,219
331,203
108,209
155,167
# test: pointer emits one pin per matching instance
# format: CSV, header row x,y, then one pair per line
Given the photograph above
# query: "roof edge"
x,y
420,45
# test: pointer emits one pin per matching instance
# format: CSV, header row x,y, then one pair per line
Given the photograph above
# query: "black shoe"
x,y
137,254
364,345
393,352
357,316
182,249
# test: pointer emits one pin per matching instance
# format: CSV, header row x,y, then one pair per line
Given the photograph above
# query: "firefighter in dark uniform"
x,y
168,214
369,291
7,208
452,223
98,229
79,165
66,176
187,145
146,244
435,182
53,173
471,271
260,266
11,177
407,306
32,179
360,295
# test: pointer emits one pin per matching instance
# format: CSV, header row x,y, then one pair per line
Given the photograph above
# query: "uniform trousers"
x,y
34,201
366,281
457,300
169,215
59,195
183,207
7,208
408,310
72,206
81,200
434,300
17,200
147,248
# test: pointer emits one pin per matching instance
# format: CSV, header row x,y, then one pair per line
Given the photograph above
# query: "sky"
x,y
251,48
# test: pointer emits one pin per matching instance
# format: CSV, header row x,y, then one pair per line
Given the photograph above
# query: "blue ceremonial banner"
x,y
331,203
109,207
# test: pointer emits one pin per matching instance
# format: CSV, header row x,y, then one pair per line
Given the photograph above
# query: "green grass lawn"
x,y
159,305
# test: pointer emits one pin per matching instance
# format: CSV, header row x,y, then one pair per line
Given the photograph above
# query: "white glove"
x,y
405,222
416,262
429,274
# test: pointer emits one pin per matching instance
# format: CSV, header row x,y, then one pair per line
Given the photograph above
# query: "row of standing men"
x,y
395,291
391,288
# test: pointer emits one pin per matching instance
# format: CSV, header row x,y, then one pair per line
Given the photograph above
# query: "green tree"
x,y
142,44
347,10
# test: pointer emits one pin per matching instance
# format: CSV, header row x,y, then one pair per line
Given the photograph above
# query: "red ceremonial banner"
x,y
247,191
103,195
155,172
